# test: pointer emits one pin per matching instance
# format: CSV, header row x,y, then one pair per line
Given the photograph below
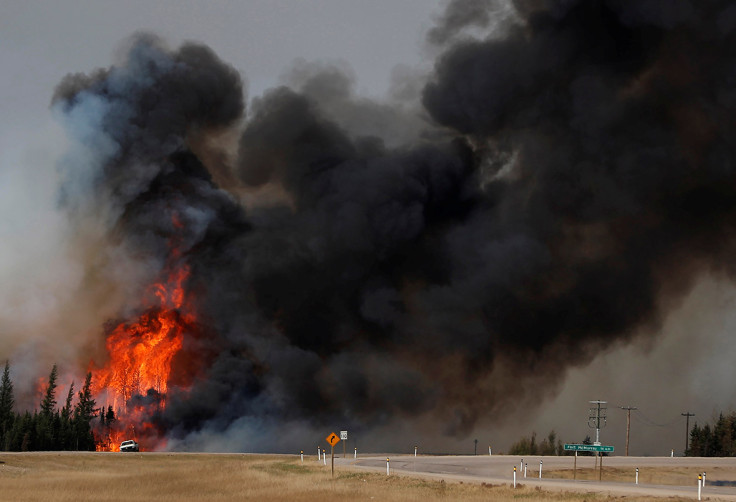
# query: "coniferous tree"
x,y
6,408
45,423
110,417
49,428
84,412
66,431
26,434
716,441
48,403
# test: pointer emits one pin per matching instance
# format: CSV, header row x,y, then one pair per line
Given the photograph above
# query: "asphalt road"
x,y
498,469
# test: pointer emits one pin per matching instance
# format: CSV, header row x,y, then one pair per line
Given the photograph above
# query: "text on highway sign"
x,y
588,447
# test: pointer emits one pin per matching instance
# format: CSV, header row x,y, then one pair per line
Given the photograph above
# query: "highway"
x,y
498,469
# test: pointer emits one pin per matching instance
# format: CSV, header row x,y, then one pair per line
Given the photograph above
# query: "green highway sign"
x,y
588,447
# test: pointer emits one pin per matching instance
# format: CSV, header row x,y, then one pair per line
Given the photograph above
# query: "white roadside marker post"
x,y
540,469
700,482
525,466
415,451
388,469
672,453
302,455
703,479
637,475
324,456
355,455
514,476
319,454
489,450
521,464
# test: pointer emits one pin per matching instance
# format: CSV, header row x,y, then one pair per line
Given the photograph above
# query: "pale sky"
x,y
44,40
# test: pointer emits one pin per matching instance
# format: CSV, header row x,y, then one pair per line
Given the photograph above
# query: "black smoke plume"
x,y
576,176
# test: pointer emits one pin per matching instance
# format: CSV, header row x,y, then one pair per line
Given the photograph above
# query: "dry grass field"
x,y
102,477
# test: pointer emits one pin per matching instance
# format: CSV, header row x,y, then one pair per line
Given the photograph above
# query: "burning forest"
x,y
556,187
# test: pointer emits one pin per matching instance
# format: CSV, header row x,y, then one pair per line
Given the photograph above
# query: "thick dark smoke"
x,y
583,179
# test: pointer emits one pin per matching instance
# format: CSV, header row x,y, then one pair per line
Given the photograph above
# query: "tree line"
x,y
49,427
550,445
717,440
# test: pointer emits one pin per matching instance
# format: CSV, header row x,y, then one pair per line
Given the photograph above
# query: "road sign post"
x,y
333,440
344,439
597,448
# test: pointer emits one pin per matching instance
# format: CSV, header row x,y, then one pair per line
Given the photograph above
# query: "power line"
x,y
645,420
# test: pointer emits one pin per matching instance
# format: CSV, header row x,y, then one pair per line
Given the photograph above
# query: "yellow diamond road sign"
x,y
333,439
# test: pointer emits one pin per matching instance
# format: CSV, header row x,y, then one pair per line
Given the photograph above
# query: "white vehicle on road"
x,y
129,445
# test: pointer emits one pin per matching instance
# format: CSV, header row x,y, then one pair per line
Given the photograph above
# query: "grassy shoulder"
x,y
104,477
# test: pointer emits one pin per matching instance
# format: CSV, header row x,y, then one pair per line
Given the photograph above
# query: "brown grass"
x,y
102,477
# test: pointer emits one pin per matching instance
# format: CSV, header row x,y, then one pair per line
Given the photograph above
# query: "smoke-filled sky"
x,y
422,222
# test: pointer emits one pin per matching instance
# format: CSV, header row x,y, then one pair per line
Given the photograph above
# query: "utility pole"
x,y
687,416
597,413
628,424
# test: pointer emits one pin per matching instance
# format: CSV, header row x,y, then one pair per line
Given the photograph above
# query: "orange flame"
x,y
140,363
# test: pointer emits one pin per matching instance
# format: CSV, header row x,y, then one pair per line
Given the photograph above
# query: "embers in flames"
x,y
138,375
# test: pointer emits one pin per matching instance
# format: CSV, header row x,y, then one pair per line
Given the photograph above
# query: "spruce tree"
x,y
48,403
84,411
110,416
45,427
6,408
65,430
